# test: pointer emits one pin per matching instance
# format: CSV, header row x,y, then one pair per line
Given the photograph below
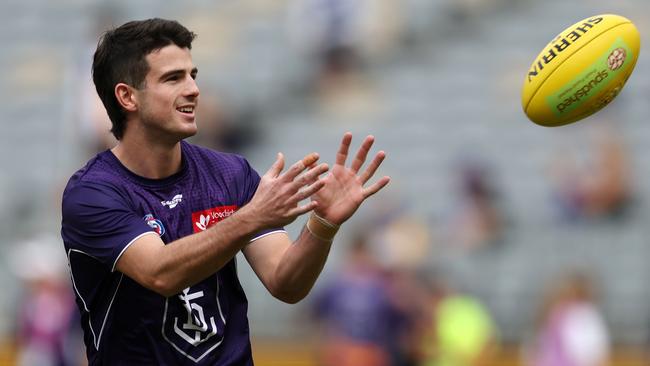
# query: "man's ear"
x,y
126,97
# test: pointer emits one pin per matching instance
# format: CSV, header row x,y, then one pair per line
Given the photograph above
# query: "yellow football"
x,y
581,70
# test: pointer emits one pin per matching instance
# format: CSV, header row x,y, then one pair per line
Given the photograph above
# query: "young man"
x,y
154,274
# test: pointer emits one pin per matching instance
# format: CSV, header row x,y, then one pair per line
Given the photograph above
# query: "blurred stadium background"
x,y
497,206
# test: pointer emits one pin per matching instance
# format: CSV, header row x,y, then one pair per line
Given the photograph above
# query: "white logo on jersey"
x,y
195,320
203,222
175,201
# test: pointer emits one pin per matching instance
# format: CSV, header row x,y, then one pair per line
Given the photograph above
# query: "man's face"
x,y
168,100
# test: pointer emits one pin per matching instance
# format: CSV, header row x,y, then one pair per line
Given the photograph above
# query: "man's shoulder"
x,y
97,173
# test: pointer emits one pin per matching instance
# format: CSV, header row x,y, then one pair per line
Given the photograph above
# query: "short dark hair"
x,y
121,58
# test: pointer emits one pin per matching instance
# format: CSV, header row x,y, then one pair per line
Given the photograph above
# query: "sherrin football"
x,y
581,70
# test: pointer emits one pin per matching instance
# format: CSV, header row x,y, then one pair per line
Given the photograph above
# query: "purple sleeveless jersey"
x,y
105,209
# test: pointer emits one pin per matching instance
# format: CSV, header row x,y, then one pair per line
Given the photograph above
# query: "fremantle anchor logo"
x,y
193,322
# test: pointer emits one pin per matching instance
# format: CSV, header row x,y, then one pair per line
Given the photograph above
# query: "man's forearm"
x,y
301,264
189,260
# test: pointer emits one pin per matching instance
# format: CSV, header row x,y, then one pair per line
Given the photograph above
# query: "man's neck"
x,y
149,160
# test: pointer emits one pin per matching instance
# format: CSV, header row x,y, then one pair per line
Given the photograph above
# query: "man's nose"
x,y
192,88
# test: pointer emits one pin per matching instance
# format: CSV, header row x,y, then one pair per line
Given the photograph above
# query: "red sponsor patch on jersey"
x,y
201,220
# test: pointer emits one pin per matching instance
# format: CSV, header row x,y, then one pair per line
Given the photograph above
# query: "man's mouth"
x,y
186,109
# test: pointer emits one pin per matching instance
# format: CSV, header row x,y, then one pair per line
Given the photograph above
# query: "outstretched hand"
x,y
277,199
343,191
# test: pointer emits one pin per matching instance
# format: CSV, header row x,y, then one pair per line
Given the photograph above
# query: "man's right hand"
x,y
277,200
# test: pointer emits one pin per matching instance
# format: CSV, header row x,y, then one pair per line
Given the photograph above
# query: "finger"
x,y
313,165
310,176
310,159
342,154
372,168
299,166
277,166
367,192
303,209
308,191
362,153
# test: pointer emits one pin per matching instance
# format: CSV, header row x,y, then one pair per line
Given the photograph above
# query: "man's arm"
x,y
168,269
289,270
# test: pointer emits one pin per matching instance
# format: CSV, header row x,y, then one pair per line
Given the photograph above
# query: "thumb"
x,y
277,166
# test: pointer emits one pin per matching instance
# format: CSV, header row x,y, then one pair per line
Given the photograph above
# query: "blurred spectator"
x,y
340,36
571,330
224,128
409,296
91,122
360,324
478,221
340,86
460,329
462,11
364,27
403,242
48,333
599,187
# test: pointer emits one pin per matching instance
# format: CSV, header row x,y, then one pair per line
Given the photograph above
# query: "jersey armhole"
x,y
128,245
267,234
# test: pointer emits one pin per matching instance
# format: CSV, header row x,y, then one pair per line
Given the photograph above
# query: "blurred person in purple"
x,y
45,333
360,323
571,330
152,226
